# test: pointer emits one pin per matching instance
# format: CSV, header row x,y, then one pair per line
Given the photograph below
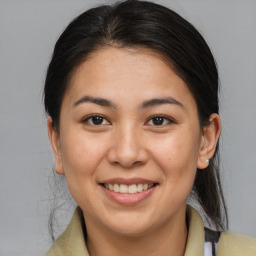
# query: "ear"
x,y
209,139
54,139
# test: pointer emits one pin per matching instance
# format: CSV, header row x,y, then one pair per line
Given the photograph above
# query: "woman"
x,y
132,97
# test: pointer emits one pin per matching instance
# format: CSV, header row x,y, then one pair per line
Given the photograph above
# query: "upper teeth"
x,y
128,189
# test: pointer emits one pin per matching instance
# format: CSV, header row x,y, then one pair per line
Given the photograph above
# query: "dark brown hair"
x,y
147,25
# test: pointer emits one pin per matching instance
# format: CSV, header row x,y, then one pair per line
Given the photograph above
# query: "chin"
x,y
130,225
132,230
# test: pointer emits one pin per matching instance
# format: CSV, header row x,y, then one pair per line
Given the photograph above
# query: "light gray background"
x,y
28,31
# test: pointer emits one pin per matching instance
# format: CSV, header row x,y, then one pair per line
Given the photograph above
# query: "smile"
x,y
128,189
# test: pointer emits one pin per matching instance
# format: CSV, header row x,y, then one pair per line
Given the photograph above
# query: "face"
x,y
129,142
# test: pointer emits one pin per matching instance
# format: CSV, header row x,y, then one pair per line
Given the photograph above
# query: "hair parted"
x,y
142,24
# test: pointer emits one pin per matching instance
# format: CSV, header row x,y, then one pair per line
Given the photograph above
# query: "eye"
x,y
159,121
96,120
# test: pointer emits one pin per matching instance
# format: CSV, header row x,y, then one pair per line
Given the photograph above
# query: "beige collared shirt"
x,y
72,241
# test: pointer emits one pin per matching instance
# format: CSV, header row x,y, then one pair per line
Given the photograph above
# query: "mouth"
x,y
128,189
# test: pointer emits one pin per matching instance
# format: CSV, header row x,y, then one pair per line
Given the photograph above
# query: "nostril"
x,y
127,155
137,163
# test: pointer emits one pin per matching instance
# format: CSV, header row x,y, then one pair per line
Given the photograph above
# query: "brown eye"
x,y
96,120
159,121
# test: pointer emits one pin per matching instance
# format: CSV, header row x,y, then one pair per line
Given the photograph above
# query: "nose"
x,y
127,148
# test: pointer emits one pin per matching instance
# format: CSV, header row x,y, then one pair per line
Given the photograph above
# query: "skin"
x,y
128,144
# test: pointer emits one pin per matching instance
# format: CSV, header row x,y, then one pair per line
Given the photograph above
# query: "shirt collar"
x,y
195,240
72,241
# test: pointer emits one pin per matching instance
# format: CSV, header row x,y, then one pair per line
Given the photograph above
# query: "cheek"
x,y
80,153
81,156
175,150
177,157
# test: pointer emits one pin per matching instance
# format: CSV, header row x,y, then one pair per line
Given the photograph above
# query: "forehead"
x,y
139,73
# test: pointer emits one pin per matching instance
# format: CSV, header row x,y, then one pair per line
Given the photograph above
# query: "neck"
x,y
169,239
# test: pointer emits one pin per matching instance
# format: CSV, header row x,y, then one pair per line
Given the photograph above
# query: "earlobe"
x,y
209,140
54,139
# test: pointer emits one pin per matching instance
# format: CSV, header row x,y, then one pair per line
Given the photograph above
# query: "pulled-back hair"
x,y
142,24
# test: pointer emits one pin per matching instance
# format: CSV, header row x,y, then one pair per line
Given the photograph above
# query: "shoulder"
x,y
236,245
72,241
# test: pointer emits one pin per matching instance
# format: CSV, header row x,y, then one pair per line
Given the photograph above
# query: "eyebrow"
x,y
96,100
146,104
160,101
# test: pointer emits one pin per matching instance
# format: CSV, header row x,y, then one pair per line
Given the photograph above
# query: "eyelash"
x,y
88,118
163,120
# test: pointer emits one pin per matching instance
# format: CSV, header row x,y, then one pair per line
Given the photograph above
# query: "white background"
x,y
28,31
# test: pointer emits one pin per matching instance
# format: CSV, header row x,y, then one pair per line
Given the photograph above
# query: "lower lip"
x,y
128,199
